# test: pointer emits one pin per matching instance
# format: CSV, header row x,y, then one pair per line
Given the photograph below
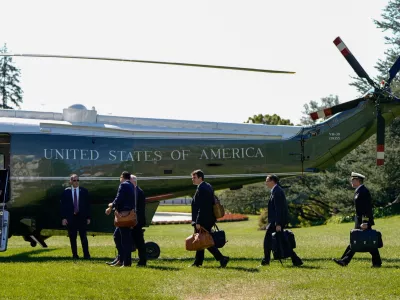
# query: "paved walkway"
x,y
171,216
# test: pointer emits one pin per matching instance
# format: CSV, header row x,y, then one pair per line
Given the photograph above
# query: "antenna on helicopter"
x,y
380,94
148,62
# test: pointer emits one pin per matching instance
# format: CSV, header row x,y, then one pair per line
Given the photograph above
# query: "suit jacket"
x,y
67,204
363,204
202,206
277,207
140,207
125,199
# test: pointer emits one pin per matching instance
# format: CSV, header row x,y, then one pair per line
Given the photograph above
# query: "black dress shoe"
x,y
264,263
339,262
224,261
376,266
194,265
87,257
298,263
75,257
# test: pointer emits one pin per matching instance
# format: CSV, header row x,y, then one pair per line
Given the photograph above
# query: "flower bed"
x,y
233,218
227,218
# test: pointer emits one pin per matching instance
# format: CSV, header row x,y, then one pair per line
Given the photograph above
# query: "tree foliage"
x,y
314,106
268,120
248,200
390,23
10,91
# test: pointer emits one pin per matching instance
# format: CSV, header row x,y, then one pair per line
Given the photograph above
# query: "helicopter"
x,y
39,151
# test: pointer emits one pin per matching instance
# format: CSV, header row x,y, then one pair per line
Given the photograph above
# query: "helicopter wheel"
x,y
33,244
152,250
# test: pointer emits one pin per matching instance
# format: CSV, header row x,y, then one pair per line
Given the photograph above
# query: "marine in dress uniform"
x,y
364,219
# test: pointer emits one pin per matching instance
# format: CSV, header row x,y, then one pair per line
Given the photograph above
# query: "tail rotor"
x,y
380,94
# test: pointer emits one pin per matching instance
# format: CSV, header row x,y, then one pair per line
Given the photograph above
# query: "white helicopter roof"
x,y
77,120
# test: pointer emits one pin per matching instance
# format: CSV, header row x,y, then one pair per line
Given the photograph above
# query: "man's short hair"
x,y
273,177
133,178
199,173
72,176
126,175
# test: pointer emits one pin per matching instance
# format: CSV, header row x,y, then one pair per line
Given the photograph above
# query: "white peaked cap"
x,y
354,174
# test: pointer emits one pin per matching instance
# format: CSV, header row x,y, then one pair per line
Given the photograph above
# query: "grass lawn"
x,y
36,273
174,208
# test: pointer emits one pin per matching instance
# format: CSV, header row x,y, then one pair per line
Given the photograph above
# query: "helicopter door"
x,y
4,178
4,214
4,151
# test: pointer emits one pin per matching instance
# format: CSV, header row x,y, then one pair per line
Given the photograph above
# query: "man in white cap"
x,y
364,219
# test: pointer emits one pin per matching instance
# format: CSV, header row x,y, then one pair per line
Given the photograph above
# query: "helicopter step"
x,y
4,222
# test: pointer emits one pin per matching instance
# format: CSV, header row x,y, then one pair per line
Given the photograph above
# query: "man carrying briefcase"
x,y
364,219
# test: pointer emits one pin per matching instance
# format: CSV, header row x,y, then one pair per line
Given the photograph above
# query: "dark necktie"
x,y
76,209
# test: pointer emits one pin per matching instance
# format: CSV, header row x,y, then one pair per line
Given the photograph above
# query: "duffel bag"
x,y
219,237
199,240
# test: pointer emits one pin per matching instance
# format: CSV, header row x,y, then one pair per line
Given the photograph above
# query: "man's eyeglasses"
x,y
75,180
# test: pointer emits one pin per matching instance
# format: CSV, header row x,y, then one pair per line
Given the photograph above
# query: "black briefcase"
x,y
218,236
283,244
365,240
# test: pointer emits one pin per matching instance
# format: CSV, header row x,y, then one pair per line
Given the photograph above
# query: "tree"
x,y
314,106
268,120
390,23
10,91
247,200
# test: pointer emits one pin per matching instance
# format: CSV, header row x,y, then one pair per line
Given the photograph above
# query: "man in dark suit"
x,y
123,202
277,219
75,213
137,231
364,219
203,216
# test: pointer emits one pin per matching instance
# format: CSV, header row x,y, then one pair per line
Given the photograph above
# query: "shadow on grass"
x,y
237,268
390,267
30,257
389,260
304,267
163,268
231,258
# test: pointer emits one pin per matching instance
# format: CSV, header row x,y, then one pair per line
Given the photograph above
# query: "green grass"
x,y
174,208
36,273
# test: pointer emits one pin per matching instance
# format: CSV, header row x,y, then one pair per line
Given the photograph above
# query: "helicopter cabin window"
x,y
2,161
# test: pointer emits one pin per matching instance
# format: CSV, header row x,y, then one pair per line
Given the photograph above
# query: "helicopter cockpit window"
x,y
1,161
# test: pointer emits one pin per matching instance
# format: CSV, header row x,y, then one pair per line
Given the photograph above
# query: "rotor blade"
x,y
380,139
352,60
148,62
335,109
393,70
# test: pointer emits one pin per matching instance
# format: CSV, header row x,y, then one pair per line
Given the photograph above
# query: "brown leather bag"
x,y
199,240
218,208
125,218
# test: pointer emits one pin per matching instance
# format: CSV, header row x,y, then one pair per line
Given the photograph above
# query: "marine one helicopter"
x,y
39,151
